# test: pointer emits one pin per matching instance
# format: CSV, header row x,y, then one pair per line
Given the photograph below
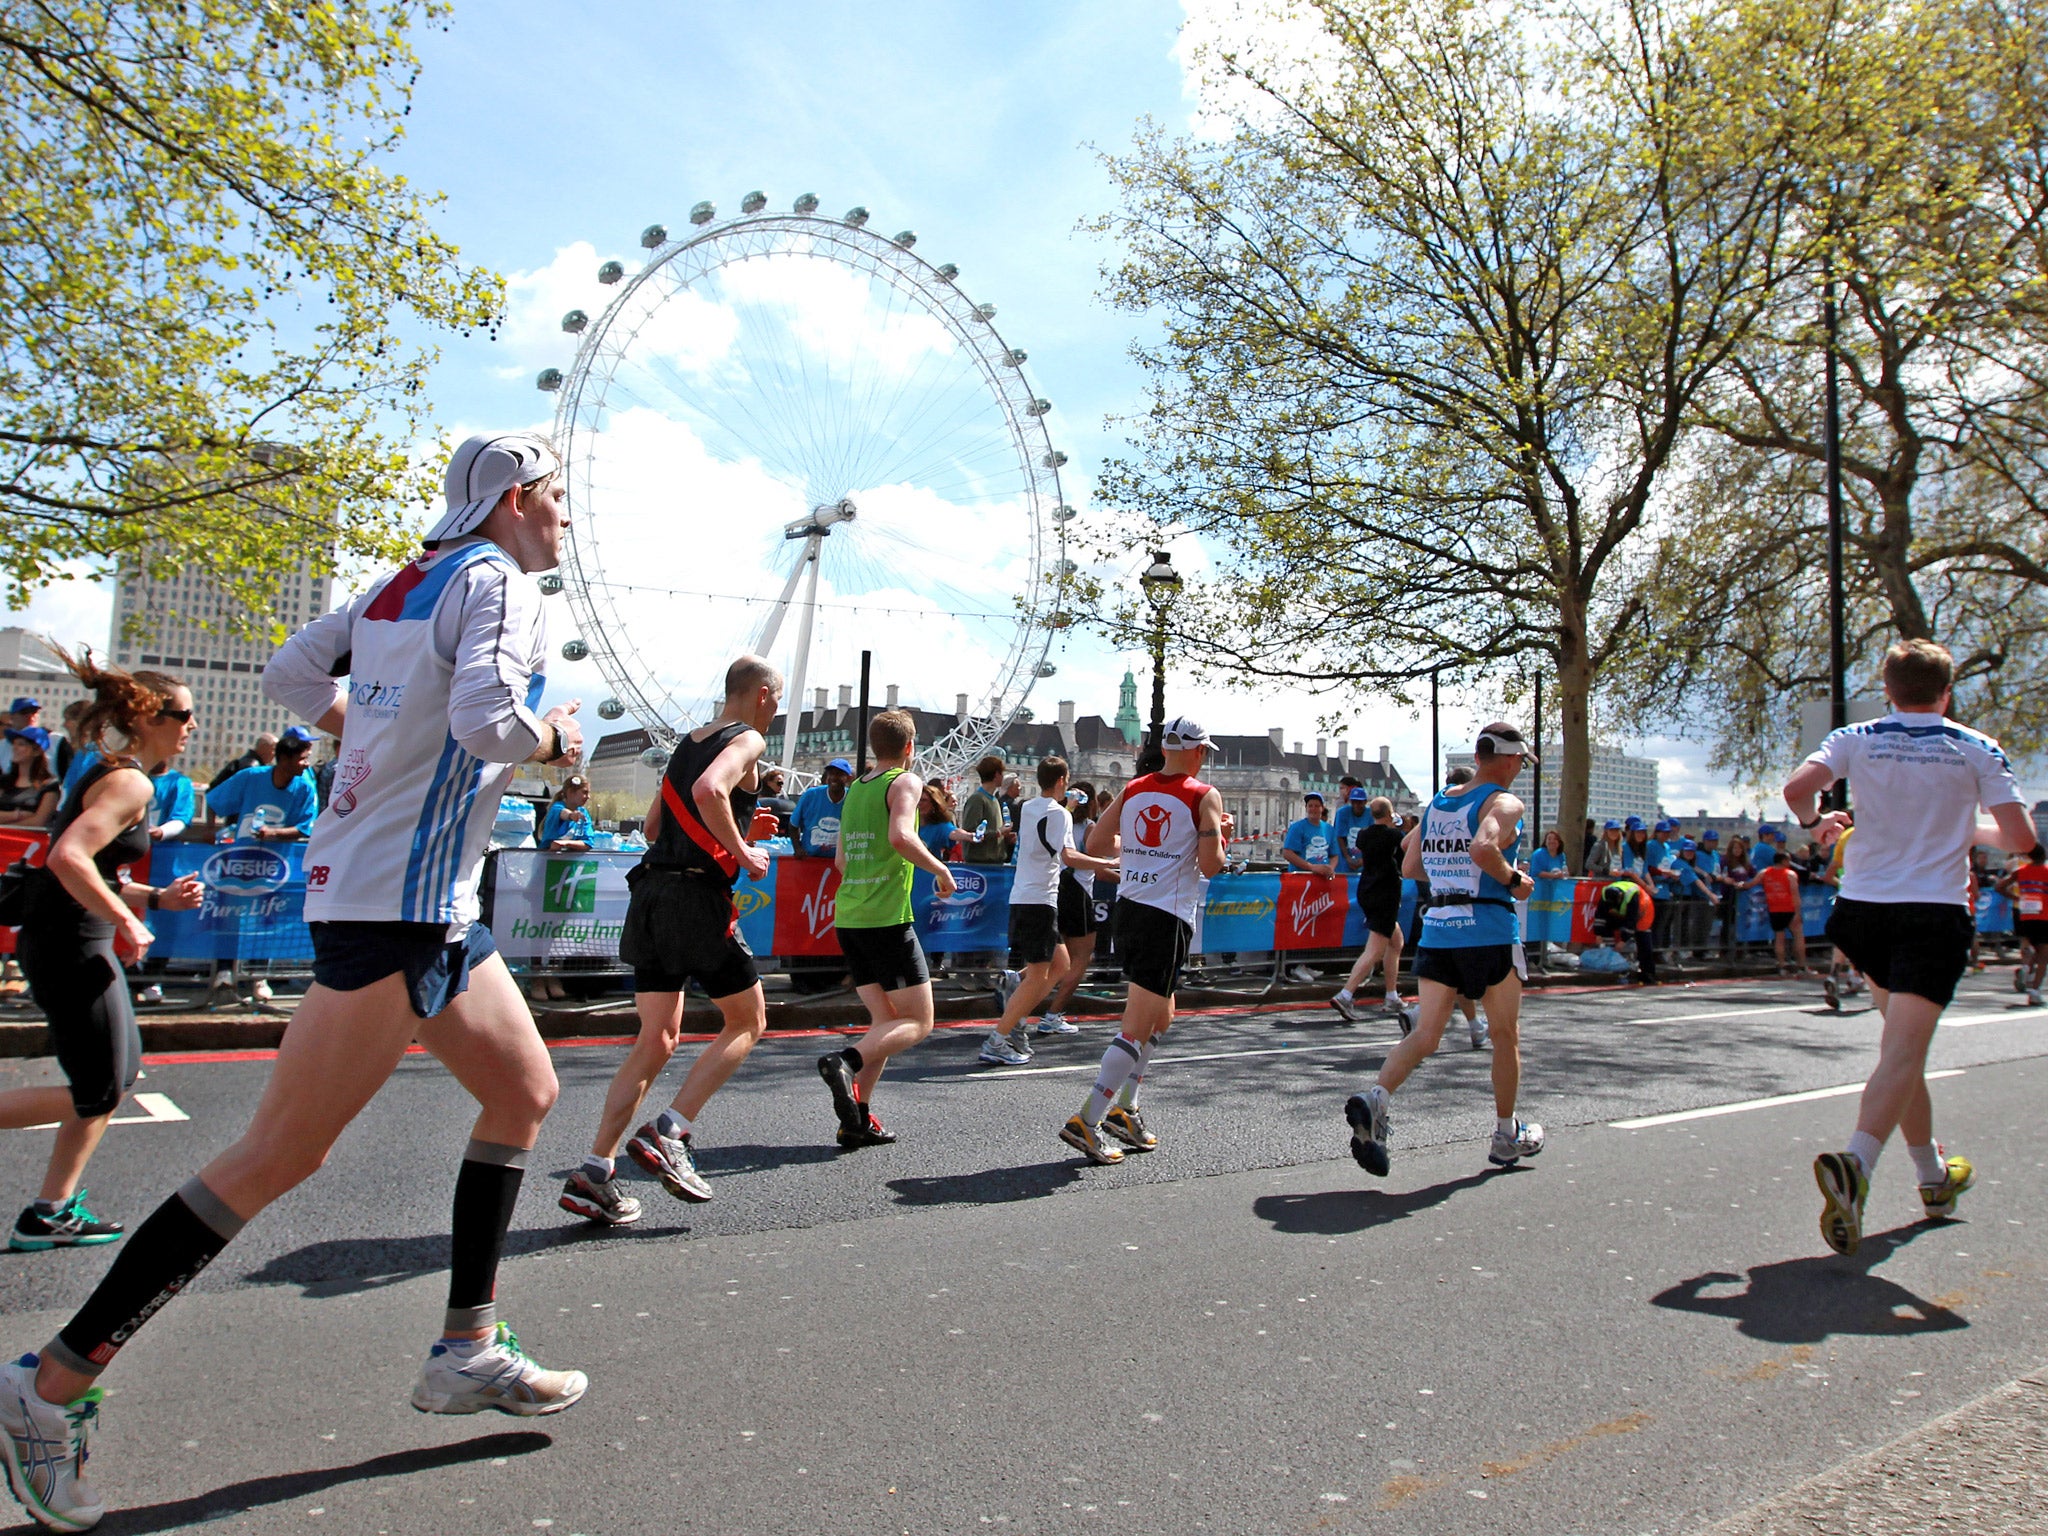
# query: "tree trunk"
x,y
1575,760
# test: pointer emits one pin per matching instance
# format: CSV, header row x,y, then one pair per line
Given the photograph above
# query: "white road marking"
x,y
157,1109
1772,1102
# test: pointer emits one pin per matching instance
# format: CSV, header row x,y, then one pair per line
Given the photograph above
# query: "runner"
x,y
1376,851
879,852
74,905
1079,921
445,662
1842,979
1045,851
2026,887
1470,946
1903,917
1167,830
681,926
1781,903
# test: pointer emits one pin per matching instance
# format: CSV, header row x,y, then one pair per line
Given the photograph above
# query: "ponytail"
x,y
122,701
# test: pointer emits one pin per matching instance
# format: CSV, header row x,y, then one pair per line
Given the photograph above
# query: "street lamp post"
x,y
1161,583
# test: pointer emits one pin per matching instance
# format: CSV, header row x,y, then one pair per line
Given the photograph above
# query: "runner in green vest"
x,y
879,852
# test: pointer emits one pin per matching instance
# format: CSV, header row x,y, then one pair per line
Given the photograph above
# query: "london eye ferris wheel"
x,y
790,434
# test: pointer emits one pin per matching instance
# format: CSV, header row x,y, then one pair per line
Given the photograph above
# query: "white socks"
x,y
1123,1057
1128,1096
1929,1166
669,1123
1504,1125
1343,994
1864,1147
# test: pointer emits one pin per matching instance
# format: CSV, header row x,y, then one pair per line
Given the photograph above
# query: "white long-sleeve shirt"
x,y
444,662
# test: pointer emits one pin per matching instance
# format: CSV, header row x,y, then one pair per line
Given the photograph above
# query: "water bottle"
x,y
981,831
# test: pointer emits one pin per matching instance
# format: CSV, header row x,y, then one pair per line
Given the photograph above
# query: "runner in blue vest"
x,y
1471,945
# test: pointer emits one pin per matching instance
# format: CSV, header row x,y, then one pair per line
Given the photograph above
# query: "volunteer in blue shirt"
x,y
567,827
1311,843
274,804
173,803
1352,817
814,825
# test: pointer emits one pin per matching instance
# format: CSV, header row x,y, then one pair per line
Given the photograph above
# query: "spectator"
x,y
1310,845
1586,848
567,827
172,802
775,801
1694,896
262,750
814,824
1635,851
935,826
981,816
323,778
25,712
1548,866
29,790
266,803
69,738
1734,878
1352,818
1603,859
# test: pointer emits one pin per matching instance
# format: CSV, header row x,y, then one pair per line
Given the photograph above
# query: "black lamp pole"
x,y
1838,645
1161,584
1436,756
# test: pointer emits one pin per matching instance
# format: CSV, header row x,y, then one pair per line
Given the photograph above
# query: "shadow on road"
x,y
993,1186
256,1492
346,1267
1334,1212
1803,1301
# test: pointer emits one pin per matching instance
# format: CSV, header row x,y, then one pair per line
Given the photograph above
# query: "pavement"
x,y
1637,1332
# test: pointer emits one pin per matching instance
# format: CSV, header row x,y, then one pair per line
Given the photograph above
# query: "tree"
x,y
1911,140
208,276
1434,317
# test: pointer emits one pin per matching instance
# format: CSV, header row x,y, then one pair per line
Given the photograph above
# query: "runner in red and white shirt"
x,y
1167,830
2026,887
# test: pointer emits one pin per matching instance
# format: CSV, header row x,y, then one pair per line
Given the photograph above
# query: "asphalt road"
x,y
1637,1332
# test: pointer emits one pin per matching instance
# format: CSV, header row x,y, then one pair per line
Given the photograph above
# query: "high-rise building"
x,y
179,624
1619,785
29,671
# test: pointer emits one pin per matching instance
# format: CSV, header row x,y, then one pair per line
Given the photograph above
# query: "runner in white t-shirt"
x,y
1045,846
443,660
1904,917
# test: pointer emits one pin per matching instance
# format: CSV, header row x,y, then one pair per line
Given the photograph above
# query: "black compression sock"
x,y
486,1190
854,1058
165,1254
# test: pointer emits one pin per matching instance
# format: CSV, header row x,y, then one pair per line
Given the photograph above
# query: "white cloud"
x,y
73,611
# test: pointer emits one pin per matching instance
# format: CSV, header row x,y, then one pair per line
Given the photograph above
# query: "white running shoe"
x,y
150,994
1508,1148
46,1450
1481,1032
2034,998
261,991
997,1050
496,1375
1302,974
1347,1008
1056,1024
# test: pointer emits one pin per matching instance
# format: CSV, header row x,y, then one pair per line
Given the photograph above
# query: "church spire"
x,y
1128,725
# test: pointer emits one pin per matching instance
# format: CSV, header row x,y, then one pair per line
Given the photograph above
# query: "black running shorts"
x,y
889,958
1381,908
1034,934
350,956
1920,947
1781,922
1473,969
2033,929
681,927
1077,908
1153,945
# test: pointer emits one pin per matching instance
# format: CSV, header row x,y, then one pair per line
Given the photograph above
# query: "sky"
x,y
559,131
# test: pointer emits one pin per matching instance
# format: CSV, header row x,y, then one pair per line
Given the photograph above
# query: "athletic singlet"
x,y
1045,830
1467,906
2030,892
1157,866
1781,888
684,842
874,890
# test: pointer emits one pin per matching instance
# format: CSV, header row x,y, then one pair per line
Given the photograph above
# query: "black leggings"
x,y
78,984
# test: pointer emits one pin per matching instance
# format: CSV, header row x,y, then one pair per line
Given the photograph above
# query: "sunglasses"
x,y
182,716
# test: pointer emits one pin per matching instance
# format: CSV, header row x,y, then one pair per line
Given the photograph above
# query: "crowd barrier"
x,y
549,907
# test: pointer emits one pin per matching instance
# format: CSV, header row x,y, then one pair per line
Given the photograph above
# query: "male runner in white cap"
x,y
444,662
1168,831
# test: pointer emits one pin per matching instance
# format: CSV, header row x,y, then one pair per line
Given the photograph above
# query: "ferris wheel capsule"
x,y
1038,408
575,650
575,321
948,271
1016,357
611,709
806,204
549,379
1064,513
654,757
654,237
611,272
986,311
753,202
550,585
905,239
704,213
1054,460
1046,669
857,216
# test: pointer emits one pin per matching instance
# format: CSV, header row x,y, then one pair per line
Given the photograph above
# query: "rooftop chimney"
x,y
960,706
1297,749
1278,736
818,700
1344,753
1066,711
1386,755
1322,748
846,696
890,695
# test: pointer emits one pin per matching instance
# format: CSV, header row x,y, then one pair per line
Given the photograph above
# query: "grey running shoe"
x,y
1510,1147
1087,1140
1346,1008
45,1444
498,1376
601,1202
1004,987
838,1074
1000,1050
669,1159
1056,1024
1482,1037
1366,1113
1127,1126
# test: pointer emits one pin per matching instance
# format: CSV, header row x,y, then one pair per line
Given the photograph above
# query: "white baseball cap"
x,y
484,468
1182,733
1504,740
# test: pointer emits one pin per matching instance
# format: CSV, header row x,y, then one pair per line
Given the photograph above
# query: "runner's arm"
x,y
1411,855
2010,828
713,790
1497,828
1802,797
496,629
304,674
1209,835
112,805
1104,839
903,795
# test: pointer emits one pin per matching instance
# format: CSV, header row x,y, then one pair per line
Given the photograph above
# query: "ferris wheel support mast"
x,y
813,530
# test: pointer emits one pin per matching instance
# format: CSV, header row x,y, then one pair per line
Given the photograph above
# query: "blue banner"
x,y
255,907
975,917
1547,915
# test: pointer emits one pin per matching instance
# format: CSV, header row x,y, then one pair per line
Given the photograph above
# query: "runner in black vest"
x,y
681,925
